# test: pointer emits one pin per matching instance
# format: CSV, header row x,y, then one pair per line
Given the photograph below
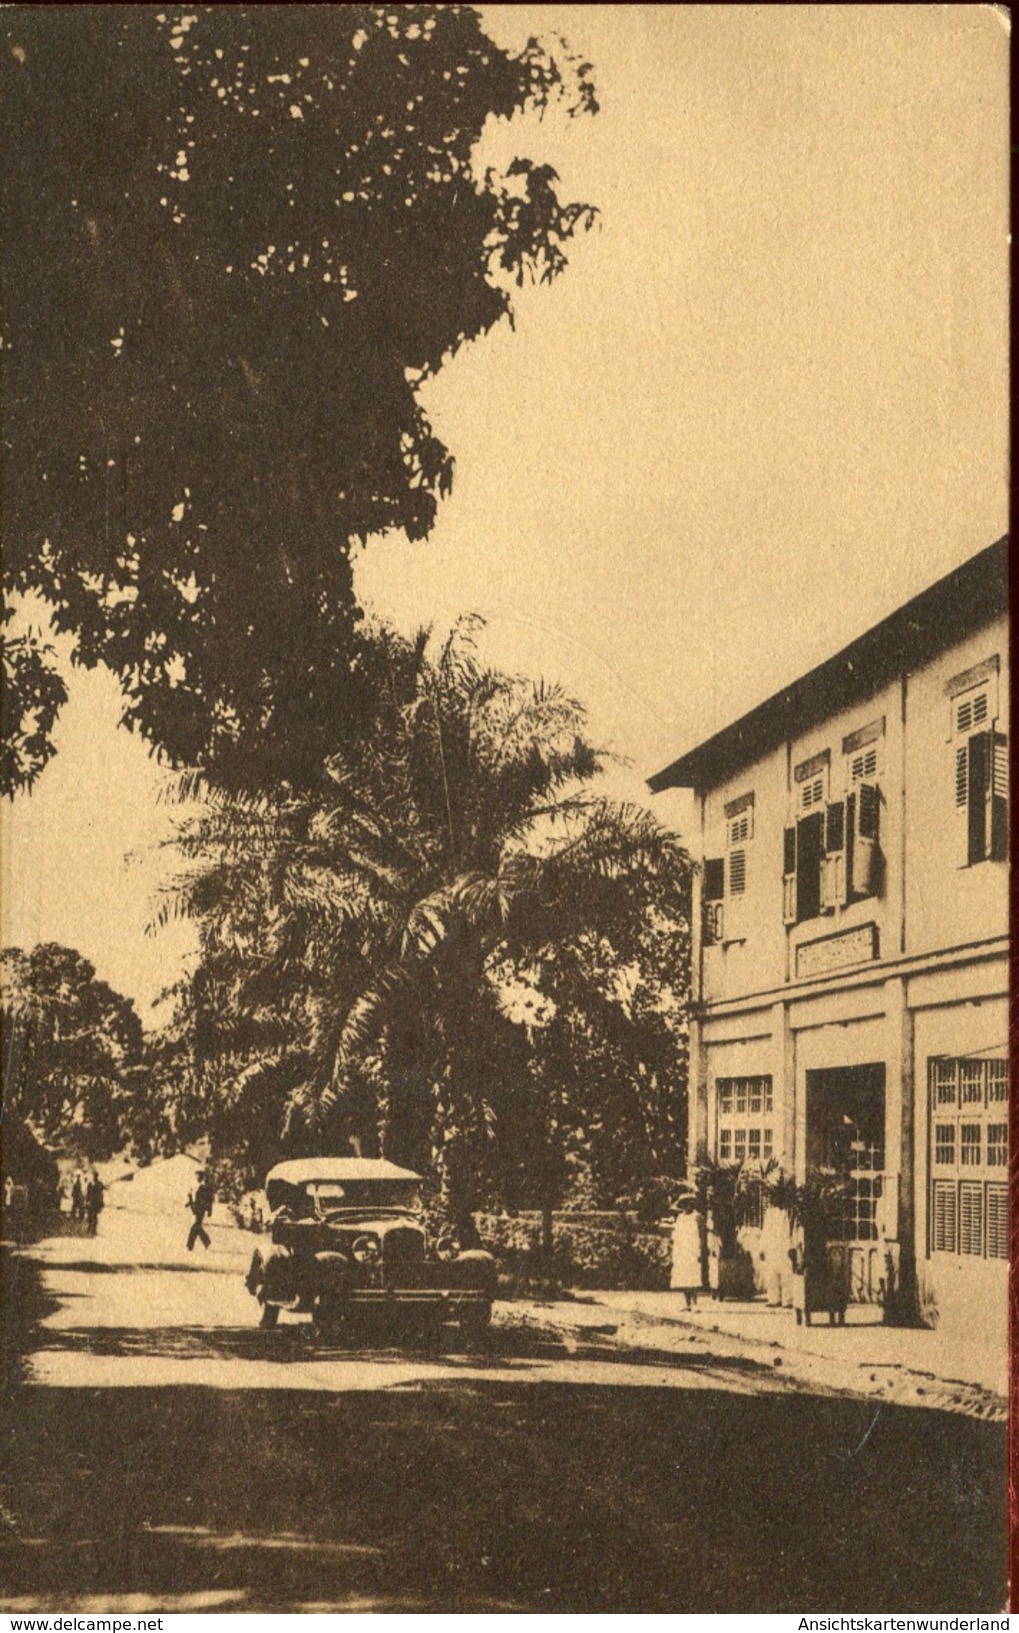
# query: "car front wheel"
x,y
329,1317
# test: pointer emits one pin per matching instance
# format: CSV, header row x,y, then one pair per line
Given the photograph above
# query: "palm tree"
x,y
369,923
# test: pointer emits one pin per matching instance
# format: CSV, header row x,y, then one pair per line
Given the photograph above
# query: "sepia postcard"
x,y
505,825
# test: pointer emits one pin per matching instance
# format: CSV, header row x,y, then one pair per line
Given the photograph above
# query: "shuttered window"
x,y
812,794
714,879
971,1219
969,1150
809,850
831,854
739,833
997,1222
944,1238
972,710
835,826
741,828
713,891
864,766
979,773
868,811
737,872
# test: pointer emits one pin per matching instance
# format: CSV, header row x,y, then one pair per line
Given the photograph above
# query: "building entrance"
x,y
846,1151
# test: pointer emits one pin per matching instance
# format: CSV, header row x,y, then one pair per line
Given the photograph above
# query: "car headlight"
x,y
447,1247
366,1249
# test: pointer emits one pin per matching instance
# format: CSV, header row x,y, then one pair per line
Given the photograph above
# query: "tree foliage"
x,y
73,1059
455,951
237,239
32,696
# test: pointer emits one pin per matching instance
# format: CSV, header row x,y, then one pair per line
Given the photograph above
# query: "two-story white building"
x,y
851,944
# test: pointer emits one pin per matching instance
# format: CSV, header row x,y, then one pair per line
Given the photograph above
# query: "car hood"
x,y
362,1221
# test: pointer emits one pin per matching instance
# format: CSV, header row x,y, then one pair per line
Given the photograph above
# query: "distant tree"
x,y
236,241
72,1048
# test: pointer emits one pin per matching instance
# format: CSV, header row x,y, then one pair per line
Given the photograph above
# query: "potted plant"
x,y
721,1190
819,1272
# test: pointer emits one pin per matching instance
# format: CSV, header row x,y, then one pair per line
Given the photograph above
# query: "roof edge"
x,y
973,594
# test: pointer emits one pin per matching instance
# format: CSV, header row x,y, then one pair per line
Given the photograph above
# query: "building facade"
x,y
851,948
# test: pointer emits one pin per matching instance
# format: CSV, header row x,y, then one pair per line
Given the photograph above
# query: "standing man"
x,y
200,1203
95,1196
78,1195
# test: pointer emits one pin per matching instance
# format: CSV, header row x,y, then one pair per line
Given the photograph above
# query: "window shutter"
x,y
943,1233
998,794
962,804
868,810
835,827
833,866
713,889
737,872
980,793
997,1221
971,1217
789,875
735,901
865,814
714,879
809,844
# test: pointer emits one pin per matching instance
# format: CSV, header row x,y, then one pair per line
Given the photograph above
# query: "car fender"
x,y
277,1272
332,1272
477,1268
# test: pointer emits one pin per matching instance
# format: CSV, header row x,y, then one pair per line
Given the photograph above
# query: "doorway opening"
x,y
846,1143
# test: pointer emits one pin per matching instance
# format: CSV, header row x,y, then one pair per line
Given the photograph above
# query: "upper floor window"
x,y
832,850
979,766
725,877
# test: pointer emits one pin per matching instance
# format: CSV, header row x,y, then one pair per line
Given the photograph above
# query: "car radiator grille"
x,y
403,1247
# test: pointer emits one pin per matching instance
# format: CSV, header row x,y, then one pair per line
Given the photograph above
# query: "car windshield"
x,y
329,1195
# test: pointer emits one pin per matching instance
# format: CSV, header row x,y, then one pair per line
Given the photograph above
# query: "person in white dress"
x,y
686,1250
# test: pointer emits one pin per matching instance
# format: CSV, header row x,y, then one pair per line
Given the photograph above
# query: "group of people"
x,y
88,1194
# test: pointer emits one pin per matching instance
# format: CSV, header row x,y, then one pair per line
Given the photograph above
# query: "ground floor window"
x,y
745,1117
969,1156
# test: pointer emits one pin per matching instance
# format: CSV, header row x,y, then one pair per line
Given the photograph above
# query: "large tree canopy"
x,y
72,1048
237,238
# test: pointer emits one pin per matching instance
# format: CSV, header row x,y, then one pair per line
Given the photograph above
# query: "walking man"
x,y
78,1195
200,1203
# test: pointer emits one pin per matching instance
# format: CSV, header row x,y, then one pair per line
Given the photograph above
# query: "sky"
x,y
765,404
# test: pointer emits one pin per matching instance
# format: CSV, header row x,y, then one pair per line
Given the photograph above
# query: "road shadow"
x,y
24,1305
106,1267
298,1344
495,1495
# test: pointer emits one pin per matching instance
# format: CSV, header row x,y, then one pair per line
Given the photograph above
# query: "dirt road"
x,y
161,1452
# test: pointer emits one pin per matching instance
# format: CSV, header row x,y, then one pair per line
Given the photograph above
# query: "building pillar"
x,y
697,1096
784,1072
900,1124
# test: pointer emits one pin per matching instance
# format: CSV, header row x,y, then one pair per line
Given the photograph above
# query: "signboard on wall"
x,y
837,952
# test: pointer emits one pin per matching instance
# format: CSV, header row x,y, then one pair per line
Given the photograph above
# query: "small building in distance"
x,y
850,959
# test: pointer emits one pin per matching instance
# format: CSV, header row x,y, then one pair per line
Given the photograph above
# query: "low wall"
x,y
589,1250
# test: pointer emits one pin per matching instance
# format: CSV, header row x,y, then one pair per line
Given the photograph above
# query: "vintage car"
x,y
348,1240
